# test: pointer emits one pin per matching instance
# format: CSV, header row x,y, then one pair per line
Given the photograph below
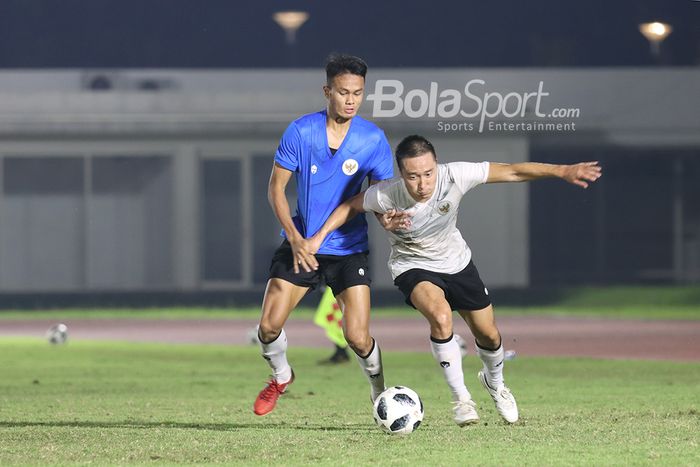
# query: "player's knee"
x,y
442,323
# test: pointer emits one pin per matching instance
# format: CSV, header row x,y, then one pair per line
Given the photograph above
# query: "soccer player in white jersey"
x,y
431,263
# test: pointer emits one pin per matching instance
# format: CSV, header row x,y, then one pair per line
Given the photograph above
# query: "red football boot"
x,y
267,399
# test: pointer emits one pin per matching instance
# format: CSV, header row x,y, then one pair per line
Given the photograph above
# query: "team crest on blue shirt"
x,y
314,169
350,166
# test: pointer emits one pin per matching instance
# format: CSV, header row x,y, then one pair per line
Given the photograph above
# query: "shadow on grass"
x,y
356,427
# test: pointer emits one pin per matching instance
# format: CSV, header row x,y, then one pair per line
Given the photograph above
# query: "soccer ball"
x,y
398,410
57,334
462,345
252,336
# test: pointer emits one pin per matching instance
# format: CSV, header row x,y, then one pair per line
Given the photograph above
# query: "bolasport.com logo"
x,y
475,108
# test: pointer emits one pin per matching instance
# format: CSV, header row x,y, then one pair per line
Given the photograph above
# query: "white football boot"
x,y
465,412
505,402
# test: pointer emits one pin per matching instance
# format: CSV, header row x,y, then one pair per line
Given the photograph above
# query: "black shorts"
x,y
339,272
463,290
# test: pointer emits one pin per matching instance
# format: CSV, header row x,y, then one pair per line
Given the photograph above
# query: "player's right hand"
x,y
303,254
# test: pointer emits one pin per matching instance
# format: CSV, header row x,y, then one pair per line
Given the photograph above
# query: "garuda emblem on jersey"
x,y
350,166
444,207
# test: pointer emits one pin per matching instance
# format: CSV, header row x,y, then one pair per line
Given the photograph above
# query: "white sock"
x,y
449,356
493,365
275,353
372,367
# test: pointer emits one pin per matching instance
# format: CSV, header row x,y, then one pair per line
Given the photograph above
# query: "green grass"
x,y
117,403
633,302
626,302
145,313
644,296
608,312
612,312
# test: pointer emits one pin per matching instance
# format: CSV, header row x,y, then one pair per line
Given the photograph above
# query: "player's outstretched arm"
x,y
580,174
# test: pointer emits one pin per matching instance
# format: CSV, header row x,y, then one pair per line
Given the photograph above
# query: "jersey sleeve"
x,y
289,149
383,161
376,199
467,175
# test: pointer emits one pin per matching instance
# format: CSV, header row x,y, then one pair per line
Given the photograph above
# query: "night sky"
x,y
235,34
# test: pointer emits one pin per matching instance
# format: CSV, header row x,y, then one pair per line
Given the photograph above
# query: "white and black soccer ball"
x,y
57,334
252,336
462,344
398,410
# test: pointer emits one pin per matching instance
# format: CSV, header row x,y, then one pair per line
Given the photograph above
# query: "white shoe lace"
x,y
464,406
505,395
465,412
459,404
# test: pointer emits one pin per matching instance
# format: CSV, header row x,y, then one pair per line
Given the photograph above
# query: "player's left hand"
x,y
583,173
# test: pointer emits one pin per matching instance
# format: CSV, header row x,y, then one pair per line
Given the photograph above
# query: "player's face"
x,y
344,95
419,174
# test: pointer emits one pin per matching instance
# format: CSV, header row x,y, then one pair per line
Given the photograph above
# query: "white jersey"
x,y
432,242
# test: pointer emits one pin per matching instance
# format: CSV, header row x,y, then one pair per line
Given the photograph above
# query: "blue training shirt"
x,y
324,180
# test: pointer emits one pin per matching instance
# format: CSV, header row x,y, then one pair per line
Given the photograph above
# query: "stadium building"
x,y
152,183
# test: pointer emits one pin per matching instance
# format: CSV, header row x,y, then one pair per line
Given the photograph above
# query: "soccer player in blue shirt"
x,y
330,153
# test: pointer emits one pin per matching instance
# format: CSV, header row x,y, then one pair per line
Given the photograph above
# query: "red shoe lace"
x,y
270,391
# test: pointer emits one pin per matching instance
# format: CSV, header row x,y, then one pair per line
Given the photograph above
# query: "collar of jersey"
x,y
345,146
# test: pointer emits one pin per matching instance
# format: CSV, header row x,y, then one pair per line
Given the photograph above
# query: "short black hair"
x,y
413,146
340,64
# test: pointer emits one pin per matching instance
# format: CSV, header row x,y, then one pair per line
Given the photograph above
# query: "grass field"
x,y
632,302
116,403
677,312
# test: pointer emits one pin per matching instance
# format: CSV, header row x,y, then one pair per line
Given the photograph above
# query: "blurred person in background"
x,y
329,317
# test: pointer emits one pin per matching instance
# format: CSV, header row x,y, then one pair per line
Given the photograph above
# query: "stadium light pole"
x,y
655,32
290,21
